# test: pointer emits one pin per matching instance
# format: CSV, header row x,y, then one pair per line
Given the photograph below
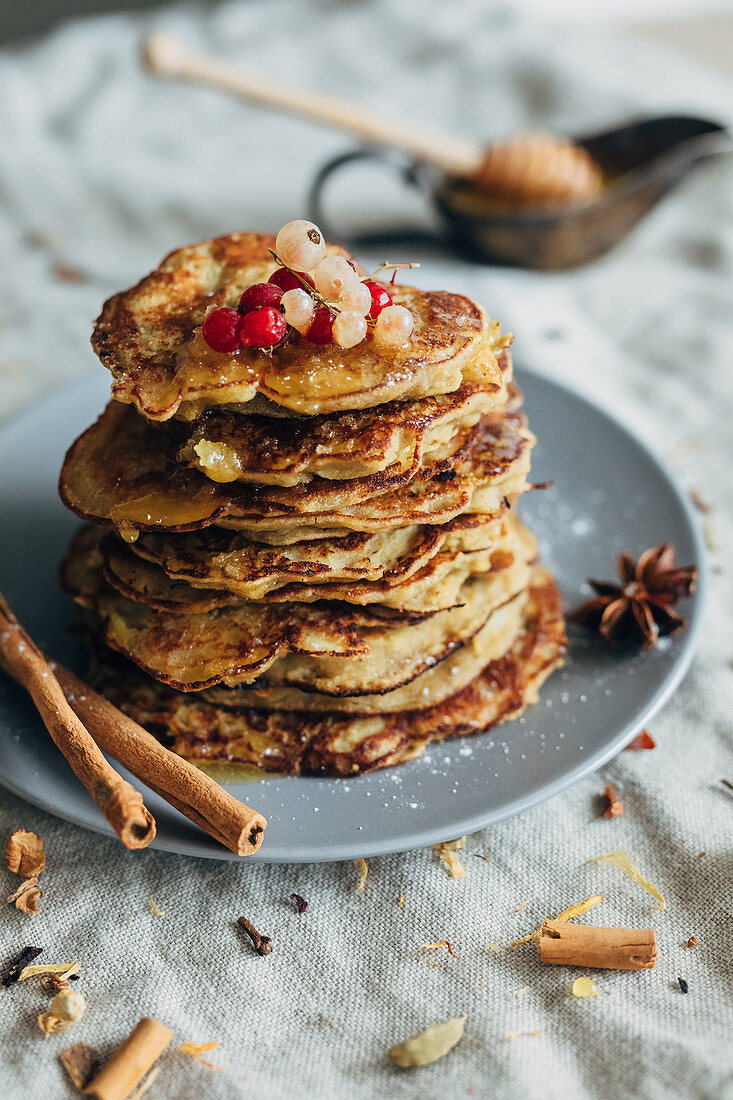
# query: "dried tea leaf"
x,y
195,1050
429,1045
584,987
623,862
566,915
13,968
62,969
363,872
27,896
24,854
78,1060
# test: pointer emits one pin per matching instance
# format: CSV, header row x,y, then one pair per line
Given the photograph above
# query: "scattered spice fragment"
x,y
566,915
429,1045
683,985
300,903
77,1060
156,908
701,854
51,984
643,740
195,1050
34,970
727,783
402,899
261,944
131,1061
639,609
14,967
67,1008
27,896
495,947
145,1085
692,942
24,854
614,807
520,907
451,845
477,855
363,872
443,943
512,1036
623,862
584,987
565,944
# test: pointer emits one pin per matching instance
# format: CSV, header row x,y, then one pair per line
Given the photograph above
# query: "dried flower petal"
x,y
429,1045
363,872
156,908
566,915
443,943
451,860
623,862
195,1050
300,903
78,1060
24,854
643,740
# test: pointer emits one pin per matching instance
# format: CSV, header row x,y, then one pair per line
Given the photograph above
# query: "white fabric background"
x,y
105,169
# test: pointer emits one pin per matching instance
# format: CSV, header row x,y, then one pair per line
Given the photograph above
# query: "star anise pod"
x,y
639,609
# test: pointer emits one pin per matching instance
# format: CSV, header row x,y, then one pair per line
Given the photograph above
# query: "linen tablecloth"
x,y
104,170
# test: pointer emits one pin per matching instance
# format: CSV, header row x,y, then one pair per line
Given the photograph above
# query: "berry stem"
x,y
306,286
389,266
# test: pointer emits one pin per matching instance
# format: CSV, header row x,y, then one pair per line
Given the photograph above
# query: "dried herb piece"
x,y
614,807
429,1045
195,1050
78,1061
640,608
11,972
300,903
363,872
477,855
447,852
683,985
261,944
623,862
443,943
24,854
566,915
643,740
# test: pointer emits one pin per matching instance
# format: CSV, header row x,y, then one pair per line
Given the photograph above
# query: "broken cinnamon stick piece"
x,y
129,1064
602,948
235,825
120,803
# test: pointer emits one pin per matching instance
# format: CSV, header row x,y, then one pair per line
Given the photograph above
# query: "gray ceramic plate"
x,y
609,494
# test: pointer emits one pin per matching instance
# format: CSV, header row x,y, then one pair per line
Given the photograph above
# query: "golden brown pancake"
x,y
433,587
337,743
149,338
297,645
120,471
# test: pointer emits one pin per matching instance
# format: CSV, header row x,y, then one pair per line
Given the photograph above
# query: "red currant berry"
x,y
260,295
321,327
262,328
286,280
220,329
381,298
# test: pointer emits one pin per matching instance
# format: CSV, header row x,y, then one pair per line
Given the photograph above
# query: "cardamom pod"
x,y
429,1045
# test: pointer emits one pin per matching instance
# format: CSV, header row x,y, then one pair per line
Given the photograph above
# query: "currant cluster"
x,y
320,296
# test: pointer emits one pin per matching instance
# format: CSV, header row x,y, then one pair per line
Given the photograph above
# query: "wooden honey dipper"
x,y
531,169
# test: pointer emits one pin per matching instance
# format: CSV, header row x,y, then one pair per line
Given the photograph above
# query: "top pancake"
x,y
149,338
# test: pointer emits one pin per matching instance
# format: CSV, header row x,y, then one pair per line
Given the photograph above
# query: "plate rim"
x,y
475,822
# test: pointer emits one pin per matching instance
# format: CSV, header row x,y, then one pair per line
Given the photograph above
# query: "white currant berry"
x,y
358,297
300,245
297,306
393,326
332,276
349,328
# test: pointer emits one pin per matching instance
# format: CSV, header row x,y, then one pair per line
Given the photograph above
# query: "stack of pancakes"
x,y
307,559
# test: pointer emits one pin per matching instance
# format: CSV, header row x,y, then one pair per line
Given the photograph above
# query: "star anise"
x,y
639,609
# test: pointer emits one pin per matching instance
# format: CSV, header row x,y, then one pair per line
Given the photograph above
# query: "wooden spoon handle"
x,y
455,155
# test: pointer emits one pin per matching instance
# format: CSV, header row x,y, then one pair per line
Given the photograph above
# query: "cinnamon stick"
x,y
129,1064
604,948
235,825
120,803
